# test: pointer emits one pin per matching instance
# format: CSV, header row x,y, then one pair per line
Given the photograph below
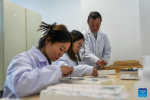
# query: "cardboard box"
x,y
124,67
117,68
109,67
127,63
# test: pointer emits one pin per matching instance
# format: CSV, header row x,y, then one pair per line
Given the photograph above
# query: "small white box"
x,y
129,74
107,72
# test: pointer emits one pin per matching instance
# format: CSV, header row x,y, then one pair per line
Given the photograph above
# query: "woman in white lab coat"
x,y
72,57
31,71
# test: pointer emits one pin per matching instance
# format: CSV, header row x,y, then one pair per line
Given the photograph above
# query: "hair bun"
x,y
44,27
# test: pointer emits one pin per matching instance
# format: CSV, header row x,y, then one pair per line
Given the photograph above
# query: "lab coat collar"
x,y
99,34
91,34
38,54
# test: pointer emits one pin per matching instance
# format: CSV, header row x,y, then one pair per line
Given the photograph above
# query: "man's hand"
x,y
66,70
99,68
95,73
101,63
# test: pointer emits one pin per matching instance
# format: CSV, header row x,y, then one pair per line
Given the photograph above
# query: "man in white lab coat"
x,y
97,46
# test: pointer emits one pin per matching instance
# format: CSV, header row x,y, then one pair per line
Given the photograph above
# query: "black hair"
x,y
76,35
57,33
94,15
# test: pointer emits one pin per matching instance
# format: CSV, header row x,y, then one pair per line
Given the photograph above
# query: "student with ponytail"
x,y
72,57
31,71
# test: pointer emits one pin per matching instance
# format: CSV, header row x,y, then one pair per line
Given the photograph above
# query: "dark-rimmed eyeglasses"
x,y
80,45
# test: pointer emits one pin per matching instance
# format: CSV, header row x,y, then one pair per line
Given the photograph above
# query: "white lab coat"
x,y
29,73
79,70
96,49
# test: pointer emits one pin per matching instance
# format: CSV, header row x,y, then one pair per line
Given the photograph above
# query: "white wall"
x,y
120,21
144,10
66,12
121,24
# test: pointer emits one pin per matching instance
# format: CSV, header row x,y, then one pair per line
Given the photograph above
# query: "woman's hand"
x,y
95,73
66,70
